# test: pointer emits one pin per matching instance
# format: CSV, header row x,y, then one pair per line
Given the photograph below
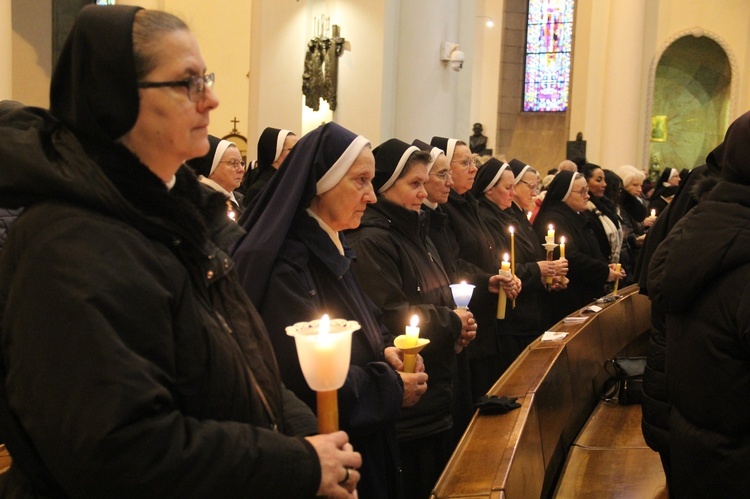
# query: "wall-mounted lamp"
x,y
449,53
488,21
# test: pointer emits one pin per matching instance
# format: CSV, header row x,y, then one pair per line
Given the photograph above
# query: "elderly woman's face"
x,y
635,188
579,195
408,191
343,206
229,171
440,181
502,193
597,183
526,190
170,127
463,168
674,180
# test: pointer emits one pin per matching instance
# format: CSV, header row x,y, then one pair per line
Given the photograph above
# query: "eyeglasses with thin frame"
x,y
533,187
443,176
237,165
465,164
196,85
583,192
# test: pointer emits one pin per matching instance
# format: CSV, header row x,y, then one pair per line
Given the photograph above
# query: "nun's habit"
x,y
392,244
588,269
473,251
522,323
205,166
270,147
293,270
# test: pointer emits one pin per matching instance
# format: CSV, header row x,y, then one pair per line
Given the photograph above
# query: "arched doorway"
x,y
691,102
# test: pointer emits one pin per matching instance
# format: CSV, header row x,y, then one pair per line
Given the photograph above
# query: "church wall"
x,y
32,51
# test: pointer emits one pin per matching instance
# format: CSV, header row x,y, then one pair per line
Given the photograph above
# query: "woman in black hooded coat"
x,y
699,277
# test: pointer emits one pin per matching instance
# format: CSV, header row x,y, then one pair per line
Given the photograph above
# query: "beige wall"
x,y
259,78
32,51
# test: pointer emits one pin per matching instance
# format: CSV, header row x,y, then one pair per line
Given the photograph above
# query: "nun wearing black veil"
x,y
494,188
588,269
274,145
295,265
401,271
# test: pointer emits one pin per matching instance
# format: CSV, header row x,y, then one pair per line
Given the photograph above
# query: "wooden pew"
x,y
521,454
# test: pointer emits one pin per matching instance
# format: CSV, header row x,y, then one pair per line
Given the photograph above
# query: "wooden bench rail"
x,y
520,454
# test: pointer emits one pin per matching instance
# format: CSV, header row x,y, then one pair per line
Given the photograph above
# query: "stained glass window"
x,y
549,40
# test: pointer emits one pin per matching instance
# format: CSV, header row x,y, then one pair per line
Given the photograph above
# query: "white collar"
x,y
328,230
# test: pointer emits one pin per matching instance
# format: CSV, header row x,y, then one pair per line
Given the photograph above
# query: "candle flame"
x,y
463,283
505,257
414,320
551,227
324,325
511,229
562,240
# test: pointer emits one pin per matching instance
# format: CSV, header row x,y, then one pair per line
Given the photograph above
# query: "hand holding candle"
x,y
324,348
618,269
502,298
411,344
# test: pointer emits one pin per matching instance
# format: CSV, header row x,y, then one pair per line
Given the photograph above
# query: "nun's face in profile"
x,y
229,171
526,190
289,142
408,191
674,180
439,181
502,192
343,206
463,168
579,196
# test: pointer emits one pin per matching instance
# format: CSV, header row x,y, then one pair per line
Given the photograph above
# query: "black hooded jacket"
x,y
121,314
400,270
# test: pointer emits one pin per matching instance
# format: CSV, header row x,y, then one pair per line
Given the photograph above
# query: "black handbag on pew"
x,y
625,383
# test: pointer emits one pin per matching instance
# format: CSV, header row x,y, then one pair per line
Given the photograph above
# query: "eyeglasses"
x,y
237,165
465,163
445,175
196,85
583,192
533,187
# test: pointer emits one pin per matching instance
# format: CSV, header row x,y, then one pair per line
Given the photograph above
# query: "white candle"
x,y
551,234
562,247
412,332
653,213
462,293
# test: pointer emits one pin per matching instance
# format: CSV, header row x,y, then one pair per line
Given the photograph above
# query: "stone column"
x,y
623,84
6,50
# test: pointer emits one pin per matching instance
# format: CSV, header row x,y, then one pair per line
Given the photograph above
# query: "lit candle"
x,y
462,294
617,281
562,247
324,350
653,213
502,298
412,332
551,234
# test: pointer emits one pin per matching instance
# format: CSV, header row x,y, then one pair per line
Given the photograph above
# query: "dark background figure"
x,y
656,407
478,141
699,277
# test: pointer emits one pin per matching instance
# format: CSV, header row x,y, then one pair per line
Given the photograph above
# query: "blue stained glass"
x,y
549,42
